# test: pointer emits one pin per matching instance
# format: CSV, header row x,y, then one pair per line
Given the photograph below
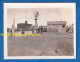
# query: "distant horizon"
x,y
39,25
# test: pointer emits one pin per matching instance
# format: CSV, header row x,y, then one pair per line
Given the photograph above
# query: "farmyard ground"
x,y
48,44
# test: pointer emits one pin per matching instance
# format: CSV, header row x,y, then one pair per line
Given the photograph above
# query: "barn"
x,y
56,26
24,28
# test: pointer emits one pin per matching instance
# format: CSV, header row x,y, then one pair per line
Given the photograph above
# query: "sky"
x,y
45,14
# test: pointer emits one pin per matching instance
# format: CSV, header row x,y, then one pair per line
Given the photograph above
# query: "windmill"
x,y
36,15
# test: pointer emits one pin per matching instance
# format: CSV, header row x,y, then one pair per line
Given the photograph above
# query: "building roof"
x,y
44,26
56,22
20,23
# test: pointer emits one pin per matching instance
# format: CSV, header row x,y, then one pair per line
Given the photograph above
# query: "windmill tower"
x,y
36,15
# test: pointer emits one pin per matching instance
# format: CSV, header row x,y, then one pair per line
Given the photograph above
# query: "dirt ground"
x,y
48,44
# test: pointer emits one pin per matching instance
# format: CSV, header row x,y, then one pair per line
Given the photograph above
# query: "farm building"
x,y
56,26
24,28
44,28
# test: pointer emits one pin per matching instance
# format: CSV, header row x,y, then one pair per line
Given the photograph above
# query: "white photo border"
x,y
38,5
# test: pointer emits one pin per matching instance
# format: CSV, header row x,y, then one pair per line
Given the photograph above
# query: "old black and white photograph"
x,y
39,31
